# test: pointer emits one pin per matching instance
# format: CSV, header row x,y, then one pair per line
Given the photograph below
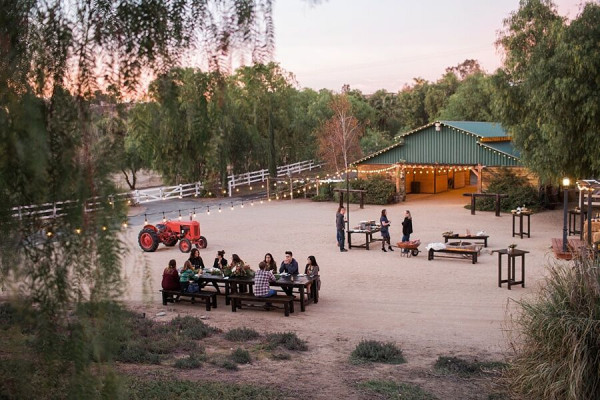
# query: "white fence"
x,y
58,209
261,175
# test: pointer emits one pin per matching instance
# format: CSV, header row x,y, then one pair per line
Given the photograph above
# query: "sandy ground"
x,y
428,308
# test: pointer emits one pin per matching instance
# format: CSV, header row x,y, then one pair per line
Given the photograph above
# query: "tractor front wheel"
x,y
148,240
201,243
185,246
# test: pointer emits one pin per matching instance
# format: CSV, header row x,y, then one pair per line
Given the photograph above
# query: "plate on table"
x,y
301,274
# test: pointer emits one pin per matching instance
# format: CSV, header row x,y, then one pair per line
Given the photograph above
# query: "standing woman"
x,y
271,264
407,228
385,230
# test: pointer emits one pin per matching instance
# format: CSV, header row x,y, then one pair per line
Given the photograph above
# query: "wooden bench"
x,y
470,253
287,301
483,238
209,298
557,248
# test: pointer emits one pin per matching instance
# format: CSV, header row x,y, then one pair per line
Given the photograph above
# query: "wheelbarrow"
x,y
412,246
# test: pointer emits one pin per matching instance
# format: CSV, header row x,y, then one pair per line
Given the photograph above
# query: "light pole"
x,y
566,182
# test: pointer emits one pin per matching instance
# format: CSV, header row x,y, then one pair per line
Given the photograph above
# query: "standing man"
x,y
290,266
339,224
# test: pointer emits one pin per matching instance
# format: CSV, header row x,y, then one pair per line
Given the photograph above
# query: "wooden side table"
x,y
520,215
575,215
511,261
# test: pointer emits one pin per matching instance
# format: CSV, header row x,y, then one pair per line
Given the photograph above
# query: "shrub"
x,y
192,327
518,189
393,390
241,335
280,355
142,389
241,356
136,354
374,351
380,190
557,346
325,192
455,365
229,364
288,340
191,362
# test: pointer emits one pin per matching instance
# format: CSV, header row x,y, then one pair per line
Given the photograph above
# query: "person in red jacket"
x,y
170,280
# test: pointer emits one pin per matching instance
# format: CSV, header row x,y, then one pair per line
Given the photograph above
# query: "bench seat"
x,y
455,251
209,298
237,298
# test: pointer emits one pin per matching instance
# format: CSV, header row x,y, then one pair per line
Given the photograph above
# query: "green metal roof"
x,y
483,129
456,143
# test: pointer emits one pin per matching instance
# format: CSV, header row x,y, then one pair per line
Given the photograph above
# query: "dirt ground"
x,y
428,308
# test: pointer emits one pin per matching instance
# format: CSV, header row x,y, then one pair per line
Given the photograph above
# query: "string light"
x,y
179,215
219,207
164,218
194,214
207,210
124,224
231,206
242,204
145,219
104,228
49,233
78,231
252,203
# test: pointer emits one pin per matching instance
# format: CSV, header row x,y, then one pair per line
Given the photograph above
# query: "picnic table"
x,y
235,284
368,237
483,238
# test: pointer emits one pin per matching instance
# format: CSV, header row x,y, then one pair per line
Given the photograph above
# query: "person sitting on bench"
x,y
170,280
262,280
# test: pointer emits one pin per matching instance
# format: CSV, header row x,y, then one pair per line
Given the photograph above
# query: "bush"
x,y
280,355
325,192
455,365
393,390
241,335
374,351
288,340
518,189
241,356
191,362
192,327
557,346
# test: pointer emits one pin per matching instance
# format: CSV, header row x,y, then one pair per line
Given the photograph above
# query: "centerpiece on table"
x,y
238,270
511,248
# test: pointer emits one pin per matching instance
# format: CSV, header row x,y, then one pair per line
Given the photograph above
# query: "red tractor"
x,y
187,233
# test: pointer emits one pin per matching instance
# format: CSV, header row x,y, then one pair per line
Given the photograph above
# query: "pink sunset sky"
x,y
384,44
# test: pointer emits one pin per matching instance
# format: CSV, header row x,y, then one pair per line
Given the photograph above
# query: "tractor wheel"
x,y
148,240
201,243
185,246
170,242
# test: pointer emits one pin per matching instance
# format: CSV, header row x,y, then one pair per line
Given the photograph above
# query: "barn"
x,y
445,155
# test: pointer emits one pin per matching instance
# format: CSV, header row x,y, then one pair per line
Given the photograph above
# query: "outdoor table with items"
x,y
236,284
511,256
368,228
520,214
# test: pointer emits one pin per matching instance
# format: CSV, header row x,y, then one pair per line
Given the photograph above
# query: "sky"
x,y
384,44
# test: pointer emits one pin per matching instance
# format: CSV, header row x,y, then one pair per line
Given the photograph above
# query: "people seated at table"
x,y
271,264
170,280
196,260
312,270
289,266
186,275
220,261
238,266
262,280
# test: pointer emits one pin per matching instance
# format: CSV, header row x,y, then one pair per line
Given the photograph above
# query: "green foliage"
x,y
192,328
228,364
326,192
459,366
556,335
287,340
393,390
280,355
474,100
548,89
241,356
241,334
374,351
141,389
190,362
380,190
373,141
518,189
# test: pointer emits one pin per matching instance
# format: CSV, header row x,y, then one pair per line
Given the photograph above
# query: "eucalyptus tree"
x,y
548,89
474,100
54,55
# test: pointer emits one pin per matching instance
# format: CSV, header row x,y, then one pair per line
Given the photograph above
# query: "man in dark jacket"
x,y
339,224
290,266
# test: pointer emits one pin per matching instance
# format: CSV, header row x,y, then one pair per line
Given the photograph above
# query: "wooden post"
x,y
472,204
291,189
397,179
497,205
268,188
479,178
317,185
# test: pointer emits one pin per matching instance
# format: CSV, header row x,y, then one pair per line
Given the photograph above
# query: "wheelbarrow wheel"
x,y
414,252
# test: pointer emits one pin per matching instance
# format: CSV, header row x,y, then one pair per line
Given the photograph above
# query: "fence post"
x,y
268,188
160,193
317,185
291,189
230,184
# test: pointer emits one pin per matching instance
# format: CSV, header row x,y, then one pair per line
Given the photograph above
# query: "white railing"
x,y
58,209
261,175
